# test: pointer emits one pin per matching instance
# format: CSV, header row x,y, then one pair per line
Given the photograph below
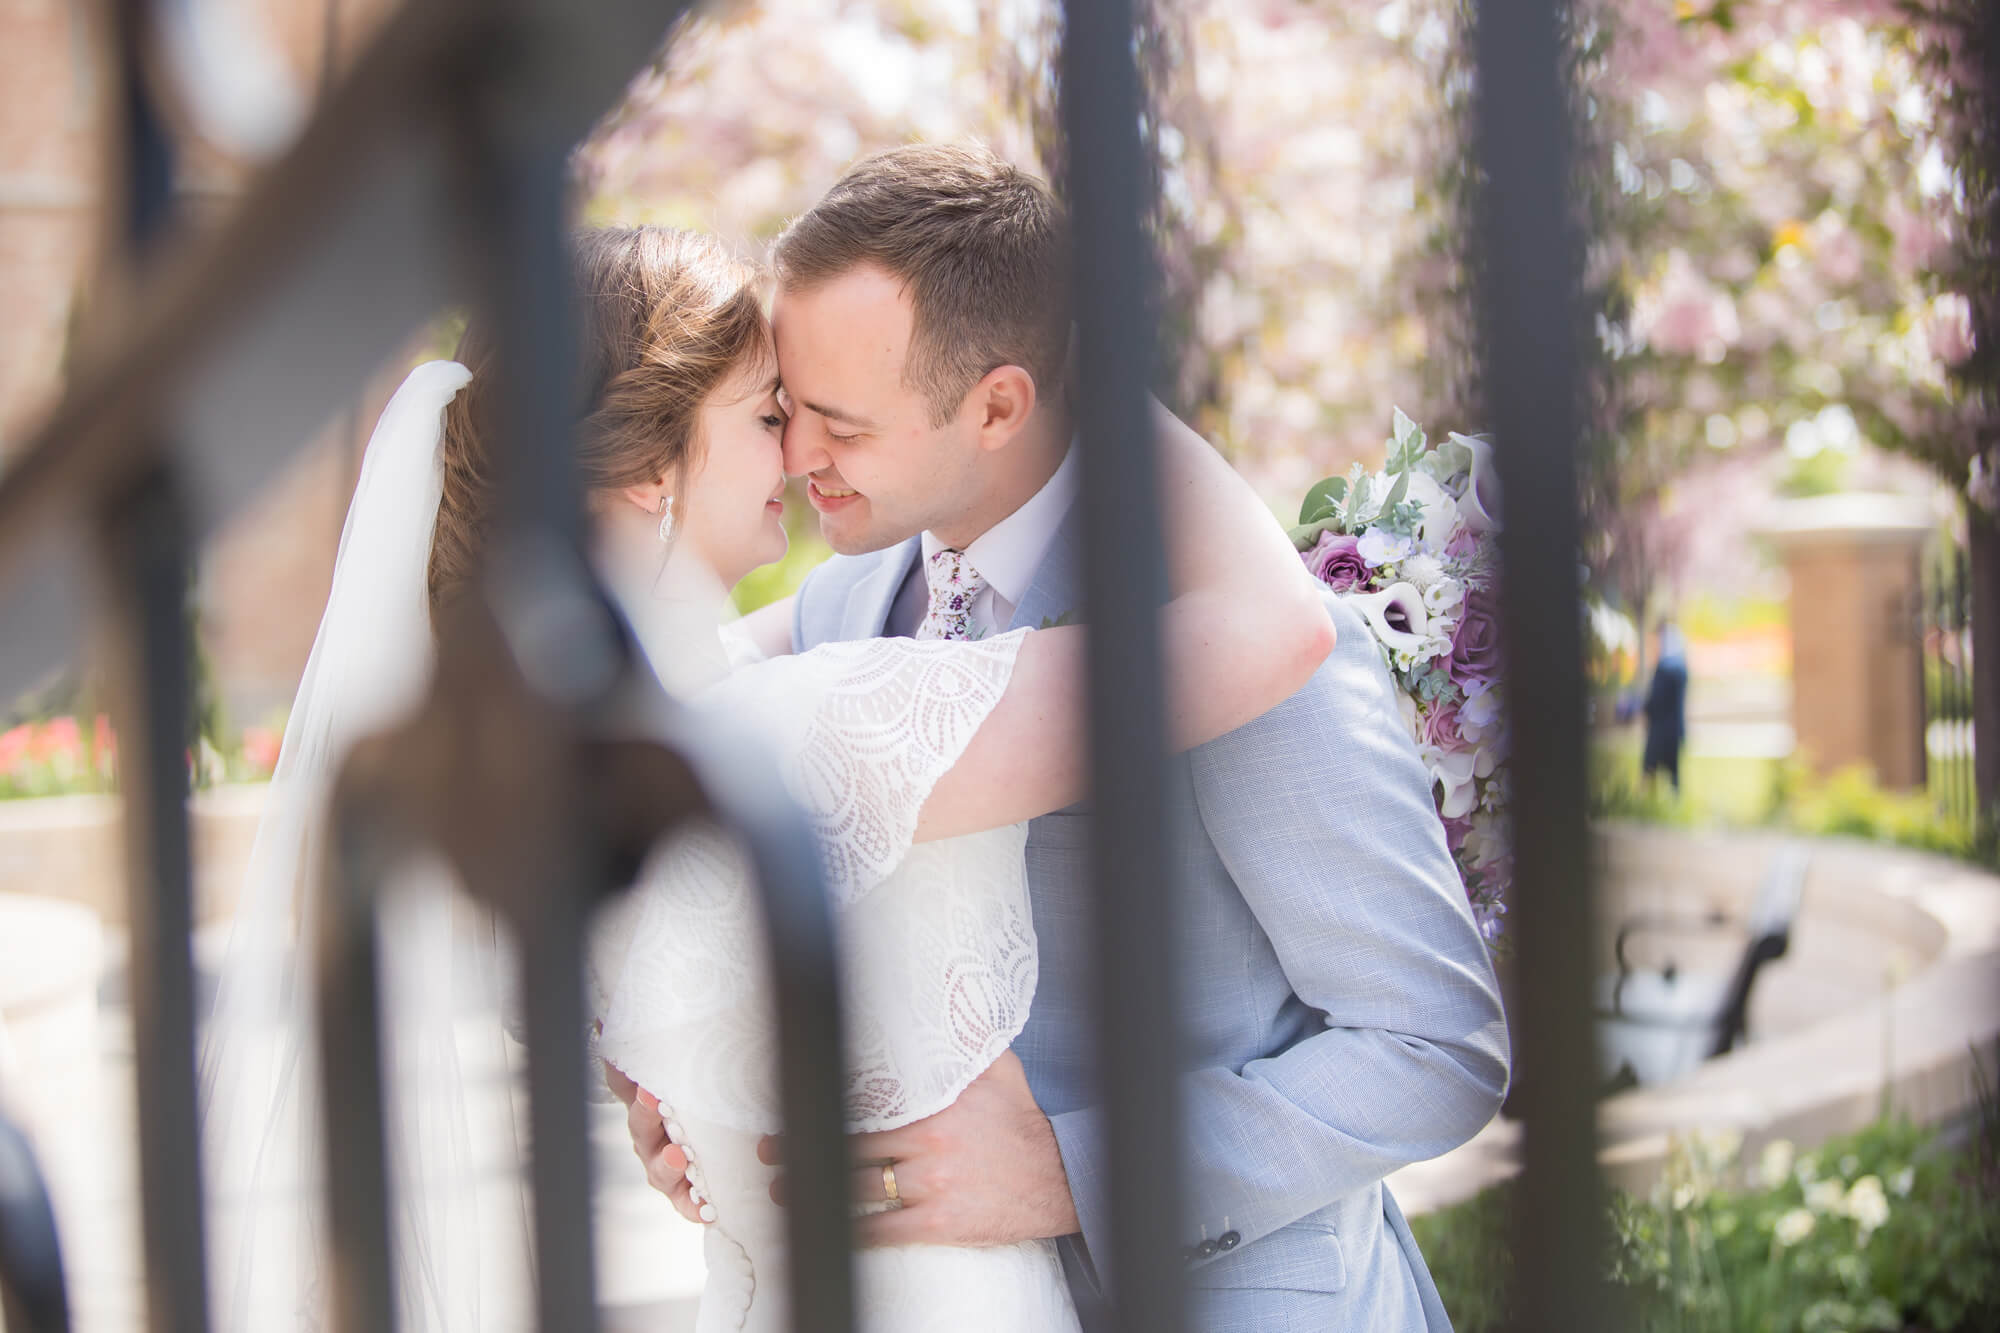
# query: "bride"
x,y
917,762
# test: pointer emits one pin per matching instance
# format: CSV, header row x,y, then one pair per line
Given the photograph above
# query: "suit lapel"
x,y
867,614
1055,593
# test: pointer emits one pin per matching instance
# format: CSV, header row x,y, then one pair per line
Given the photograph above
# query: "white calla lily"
x,y
1456,773
1402,598
1480,505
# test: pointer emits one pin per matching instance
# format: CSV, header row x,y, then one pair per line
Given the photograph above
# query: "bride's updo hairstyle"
x,y
666,317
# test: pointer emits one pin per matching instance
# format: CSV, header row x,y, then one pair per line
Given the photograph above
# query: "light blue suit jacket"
x,y
1341,1016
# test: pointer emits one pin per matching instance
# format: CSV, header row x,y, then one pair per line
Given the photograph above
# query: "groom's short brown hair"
x,y
981,246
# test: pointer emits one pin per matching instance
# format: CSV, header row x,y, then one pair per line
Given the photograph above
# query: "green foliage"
x,y
1849,803
1889,1228
1786,793
773,582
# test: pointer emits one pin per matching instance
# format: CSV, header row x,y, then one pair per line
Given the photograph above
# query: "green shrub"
x,y
1891,1228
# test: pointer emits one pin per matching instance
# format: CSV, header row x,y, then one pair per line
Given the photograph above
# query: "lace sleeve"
x,y
863,731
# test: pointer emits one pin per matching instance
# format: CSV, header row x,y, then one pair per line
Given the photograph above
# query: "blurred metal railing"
x,y
434,170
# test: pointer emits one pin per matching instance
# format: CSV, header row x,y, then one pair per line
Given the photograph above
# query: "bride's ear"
x,y
646,498
1002,402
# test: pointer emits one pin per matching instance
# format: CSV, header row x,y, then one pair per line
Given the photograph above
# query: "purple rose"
x,y
1475,644
1335,560
1441,728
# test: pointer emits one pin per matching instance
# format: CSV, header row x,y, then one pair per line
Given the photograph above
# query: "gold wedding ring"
x,y
889,1184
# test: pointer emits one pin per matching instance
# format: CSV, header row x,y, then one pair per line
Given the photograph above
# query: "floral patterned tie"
x,y
954,586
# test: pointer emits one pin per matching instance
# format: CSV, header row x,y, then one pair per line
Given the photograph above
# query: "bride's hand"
x,y
1245,630
665,1163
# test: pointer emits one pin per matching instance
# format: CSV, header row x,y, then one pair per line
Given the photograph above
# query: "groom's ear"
x,y
1002,402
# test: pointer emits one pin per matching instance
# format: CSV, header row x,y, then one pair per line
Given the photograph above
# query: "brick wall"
x,y
264,580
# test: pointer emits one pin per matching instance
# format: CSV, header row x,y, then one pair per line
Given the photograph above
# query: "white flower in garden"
x,y
1903,1181
1867,1204
1775,1162
1381,547
1825,1196
1794,1227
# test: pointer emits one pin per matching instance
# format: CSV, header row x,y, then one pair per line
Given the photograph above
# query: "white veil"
x,y
450,1072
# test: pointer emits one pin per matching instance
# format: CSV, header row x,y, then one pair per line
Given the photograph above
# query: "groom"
x,y
1342,1017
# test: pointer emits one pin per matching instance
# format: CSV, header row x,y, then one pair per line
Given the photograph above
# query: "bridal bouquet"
x,y
1412,547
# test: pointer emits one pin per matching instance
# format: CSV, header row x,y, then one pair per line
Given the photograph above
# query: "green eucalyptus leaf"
x,y
1306,534
1323,500
1397,492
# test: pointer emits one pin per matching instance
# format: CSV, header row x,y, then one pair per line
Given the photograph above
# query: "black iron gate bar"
x,y
231,352
1944,628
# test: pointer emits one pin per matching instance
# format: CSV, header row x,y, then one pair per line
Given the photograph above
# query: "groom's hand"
x,y
984,1171
666,1164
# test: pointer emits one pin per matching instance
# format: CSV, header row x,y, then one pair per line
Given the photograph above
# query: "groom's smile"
x,y
827,496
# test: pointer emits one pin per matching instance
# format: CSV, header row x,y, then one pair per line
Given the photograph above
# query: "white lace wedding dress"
x,y
939,950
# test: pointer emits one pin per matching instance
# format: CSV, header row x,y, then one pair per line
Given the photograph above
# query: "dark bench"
x,y
1657,1024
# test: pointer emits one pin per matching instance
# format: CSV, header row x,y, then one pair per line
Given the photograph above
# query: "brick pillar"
x,y
1857,654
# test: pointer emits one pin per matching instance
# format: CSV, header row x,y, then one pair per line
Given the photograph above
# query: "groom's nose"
x,y
802,450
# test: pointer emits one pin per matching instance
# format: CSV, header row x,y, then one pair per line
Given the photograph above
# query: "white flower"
x,y
1380,547
1480,505
1794,1227
1424,570
1901,1183
1443,595
1824,1196
1455,774
1407,605
1440,512
1867,1204
1775,1163
1481,707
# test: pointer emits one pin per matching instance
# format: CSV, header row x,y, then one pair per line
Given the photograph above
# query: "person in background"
x,y
1666,707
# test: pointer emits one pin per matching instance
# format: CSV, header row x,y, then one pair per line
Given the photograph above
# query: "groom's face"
x,y
878,471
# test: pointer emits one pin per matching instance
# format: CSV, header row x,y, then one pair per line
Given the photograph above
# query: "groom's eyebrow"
x,y
836,414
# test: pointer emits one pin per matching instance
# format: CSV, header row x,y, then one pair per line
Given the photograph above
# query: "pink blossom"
x,y
58,738
260,748
1950,329
1688,316
15,746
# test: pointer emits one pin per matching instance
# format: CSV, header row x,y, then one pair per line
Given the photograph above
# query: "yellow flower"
x,y
1789,233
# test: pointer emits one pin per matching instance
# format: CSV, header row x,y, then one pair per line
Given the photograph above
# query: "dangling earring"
x,y
666,513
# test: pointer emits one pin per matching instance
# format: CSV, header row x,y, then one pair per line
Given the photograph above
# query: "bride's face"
x,y
731,508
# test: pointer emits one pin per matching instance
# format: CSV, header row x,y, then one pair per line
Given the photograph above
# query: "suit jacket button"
x,y
1209,1249
1230,1240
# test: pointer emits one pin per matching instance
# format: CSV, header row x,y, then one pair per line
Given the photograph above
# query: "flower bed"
x,y
1891,1228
